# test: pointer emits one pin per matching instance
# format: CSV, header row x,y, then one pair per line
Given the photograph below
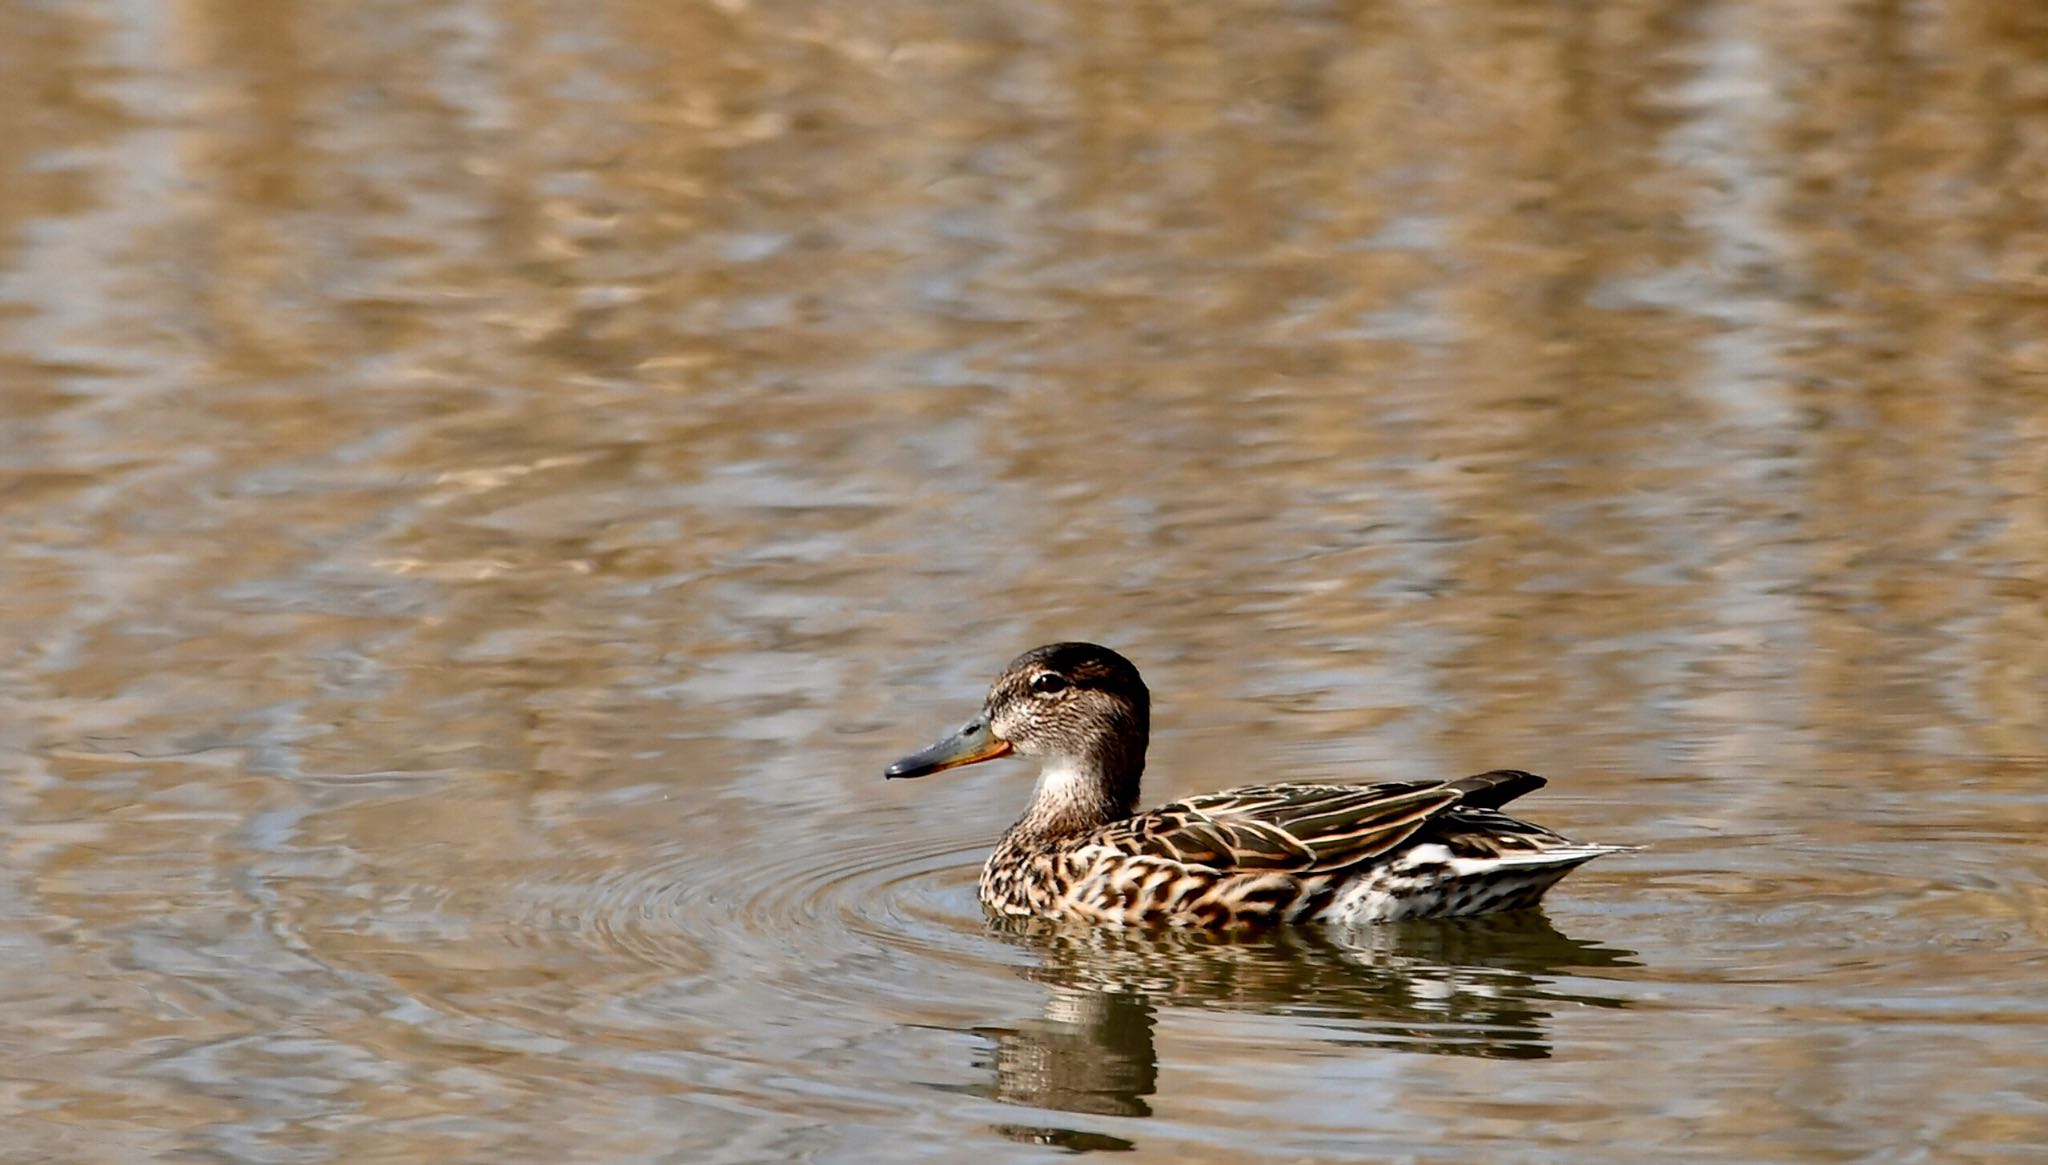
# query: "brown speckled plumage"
x,y
1244,857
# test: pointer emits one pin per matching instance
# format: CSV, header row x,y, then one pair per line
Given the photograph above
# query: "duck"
x,y
1242,858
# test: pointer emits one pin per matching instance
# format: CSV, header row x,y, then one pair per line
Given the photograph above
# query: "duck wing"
x,y
1296,829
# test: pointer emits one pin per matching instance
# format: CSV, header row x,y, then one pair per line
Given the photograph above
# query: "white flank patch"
x,y
1425,855
1558,856
1368,902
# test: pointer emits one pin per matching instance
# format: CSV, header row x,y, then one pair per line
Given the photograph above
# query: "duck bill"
x,y
971,744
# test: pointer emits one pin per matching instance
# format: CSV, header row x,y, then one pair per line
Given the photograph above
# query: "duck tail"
x,y
1494,789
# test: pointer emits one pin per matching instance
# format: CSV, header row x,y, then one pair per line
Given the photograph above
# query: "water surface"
x,y
487,486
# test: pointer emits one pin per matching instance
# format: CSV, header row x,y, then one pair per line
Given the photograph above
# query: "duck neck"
x,y
1079,794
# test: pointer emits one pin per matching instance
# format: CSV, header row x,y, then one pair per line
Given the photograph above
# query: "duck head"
x,y
1080,708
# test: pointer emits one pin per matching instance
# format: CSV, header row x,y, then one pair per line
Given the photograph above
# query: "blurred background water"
x,y
487,485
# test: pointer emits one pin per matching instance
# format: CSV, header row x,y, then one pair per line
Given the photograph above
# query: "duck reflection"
x,y
1091,1053
1459,987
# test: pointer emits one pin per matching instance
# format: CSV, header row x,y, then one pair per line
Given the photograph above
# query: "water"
x,y
487,488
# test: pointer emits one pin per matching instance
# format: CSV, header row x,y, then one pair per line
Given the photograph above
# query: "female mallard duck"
x,y
1242,857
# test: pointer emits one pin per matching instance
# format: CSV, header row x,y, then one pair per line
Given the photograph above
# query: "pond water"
x,y
487,486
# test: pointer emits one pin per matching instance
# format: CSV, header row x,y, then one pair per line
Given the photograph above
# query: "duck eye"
x,y
1048,683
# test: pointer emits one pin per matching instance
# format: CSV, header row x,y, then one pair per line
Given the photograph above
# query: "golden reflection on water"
x,y
487,484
